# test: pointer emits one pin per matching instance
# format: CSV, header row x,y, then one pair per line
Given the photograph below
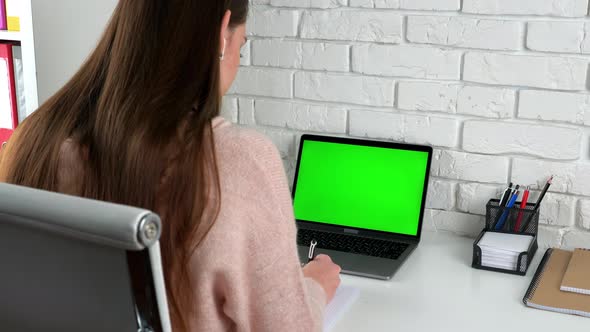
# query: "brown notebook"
x,y
544,292
577,275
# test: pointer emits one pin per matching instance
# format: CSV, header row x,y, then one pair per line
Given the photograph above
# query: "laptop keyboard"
x,y
352,244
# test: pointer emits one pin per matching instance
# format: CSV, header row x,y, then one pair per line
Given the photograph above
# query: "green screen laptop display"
x,y
365,187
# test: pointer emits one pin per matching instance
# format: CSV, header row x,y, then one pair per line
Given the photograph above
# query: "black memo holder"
x,y
520,222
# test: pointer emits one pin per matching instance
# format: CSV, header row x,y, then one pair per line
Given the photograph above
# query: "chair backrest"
x,y
74,264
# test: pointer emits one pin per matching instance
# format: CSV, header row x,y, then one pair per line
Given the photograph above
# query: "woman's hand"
x,y
325,272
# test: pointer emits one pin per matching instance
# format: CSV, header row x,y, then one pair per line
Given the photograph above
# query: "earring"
x,y
222,56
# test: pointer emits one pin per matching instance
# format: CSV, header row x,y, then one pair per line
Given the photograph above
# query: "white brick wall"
x,y
498,87
344,88
229,109
584,214
559,36
300,116
291,54
558,106
566,8
431,4
456,222
573,239
486,101
441,195
456,98
273,23
465,32
384,27
374,3
573,178
406,61
308,3
541,71
428,96
469,167
264,82
550,236
404,128
473,197
510,137
246,112
558,210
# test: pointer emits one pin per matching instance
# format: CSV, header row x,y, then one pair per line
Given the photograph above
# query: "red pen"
x,y
525,198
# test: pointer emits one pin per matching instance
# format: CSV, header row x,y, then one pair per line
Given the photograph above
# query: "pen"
x,y
510,204
538,203
547,185
525,198
503,200
512,192
505,195
311,254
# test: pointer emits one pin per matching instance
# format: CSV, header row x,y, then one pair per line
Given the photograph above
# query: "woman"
x,y
138,125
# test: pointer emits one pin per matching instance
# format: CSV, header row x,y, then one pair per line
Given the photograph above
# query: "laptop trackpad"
x,y
361,265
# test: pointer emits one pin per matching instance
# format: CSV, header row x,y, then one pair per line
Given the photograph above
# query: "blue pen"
x,y
504,216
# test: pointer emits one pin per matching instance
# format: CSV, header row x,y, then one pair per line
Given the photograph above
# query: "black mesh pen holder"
x,y
517,220
512,221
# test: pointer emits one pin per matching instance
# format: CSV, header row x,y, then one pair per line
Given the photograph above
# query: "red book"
x,y
3,24
8,105
4,136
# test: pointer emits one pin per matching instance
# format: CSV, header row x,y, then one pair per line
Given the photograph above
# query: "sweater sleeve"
x,y
279,297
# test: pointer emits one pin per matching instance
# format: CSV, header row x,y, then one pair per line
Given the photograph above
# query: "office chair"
x,y
72,264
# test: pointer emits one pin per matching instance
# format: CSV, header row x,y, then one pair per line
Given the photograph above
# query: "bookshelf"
x,y
27,42
10,35
55,38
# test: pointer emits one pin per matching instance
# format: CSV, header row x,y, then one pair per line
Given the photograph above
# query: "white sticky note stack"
x,y
501,250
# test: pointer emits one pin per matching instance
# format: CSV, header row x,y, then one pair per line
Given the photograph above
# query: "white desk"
x,y
437,290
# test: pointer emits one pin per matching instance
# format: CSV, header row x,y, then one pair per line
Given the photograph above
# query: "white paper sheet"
x,y
342,301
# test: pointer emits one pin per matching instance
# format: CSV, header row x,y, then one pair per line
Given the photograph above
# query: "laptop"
x,y
361,200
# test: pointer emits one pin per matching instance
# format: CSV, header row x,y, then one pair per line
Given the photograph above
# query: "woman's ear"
x,y
224,32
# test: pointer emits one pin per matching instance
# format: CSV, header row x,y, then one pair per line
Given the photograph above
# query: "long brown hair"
x,y
140,108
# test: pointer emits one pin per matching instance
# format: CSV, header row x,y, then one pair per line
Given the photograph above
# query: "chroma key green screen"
x,y
365,187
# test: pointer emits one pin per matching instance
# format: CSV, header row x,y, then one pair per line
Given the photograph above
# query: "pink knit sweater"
x,y
247,271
